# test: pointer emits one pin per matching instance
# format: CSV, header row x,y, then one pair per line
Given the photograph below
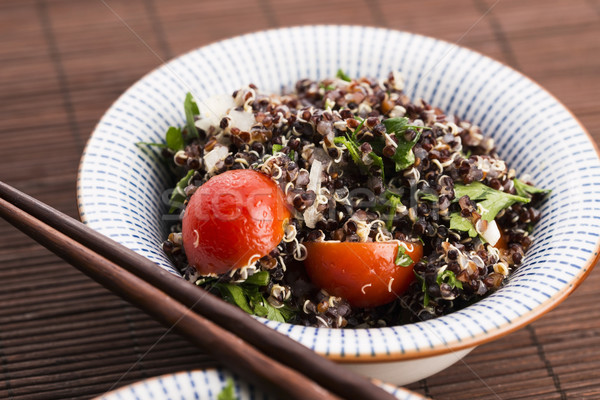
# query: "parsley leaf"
x,y
342,75
191,109
404,156
379,162
178,196
260,278
276,148
460,223
248,297
423,289
429,196
234,294
174,139
352,148
403,259
396,125
450,278
228,391
492,201
395,201
524,189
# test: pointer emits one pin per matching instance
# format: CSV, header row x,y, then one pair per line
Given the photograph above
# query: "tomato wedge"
x,y
234,218
365,274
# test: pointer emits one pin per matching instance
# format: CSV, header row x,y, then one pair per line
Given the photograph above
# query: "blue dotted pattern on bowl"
x,y
120,185
206,385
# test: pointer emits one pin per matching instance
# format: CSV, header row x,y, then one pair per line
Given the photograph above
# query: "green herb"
x,y
292,155
460,223
248,297
161,145
262,308
524,189
429,197
448,277
358,128
191,109
276,148
352,147
235,294
260,278
492,201
228,392
403,259
178,196
396,125
395,201
342,75
174,139
379,162
327,88
423,289
404,156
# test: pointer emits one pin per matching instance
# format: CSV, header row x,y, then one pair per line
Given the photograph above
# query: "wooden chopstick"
x,y
230,350
279,347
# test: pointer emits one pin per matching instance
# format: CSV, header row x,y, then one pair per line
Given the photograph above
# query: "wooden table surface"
x,y
63,62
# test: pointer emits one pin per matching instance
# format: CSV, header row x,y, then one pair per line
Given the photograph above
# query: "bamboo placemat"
x,y
63,62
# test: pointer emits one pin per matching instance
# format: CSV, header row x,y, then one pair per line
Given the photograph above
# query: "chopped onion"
x,y
242,120
491,233
311,215
213,110
218,153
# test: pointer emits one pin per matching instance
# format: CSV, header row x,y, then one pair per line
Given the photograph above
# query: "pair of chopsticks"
x,y
249,348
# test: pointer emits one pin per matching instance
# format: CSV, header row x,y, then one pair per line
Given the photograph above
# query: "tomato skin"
x,y
234,217
360,272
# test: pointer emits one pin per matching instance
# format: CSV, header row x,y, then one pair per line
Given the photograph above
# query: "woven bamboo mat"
x,y
63,62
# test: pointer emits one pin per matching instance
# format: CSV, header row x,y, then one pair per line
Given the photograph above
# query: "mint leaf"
x,y
234,294
492,201
191,109
178,196
228,391
460,223
403,259
342,75
174,139
450,278
524,189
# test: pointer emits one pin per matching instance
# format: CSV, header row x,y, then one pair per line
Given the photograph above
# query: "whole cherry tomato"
x,y
234,218
365,274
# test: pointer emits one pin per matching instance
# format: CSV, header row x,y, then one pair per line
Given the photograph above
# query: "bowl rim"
x,y
221,370
449,346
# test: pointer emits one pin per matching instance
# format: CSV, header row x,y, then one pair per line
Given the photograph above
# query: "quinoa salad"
x,y
370,179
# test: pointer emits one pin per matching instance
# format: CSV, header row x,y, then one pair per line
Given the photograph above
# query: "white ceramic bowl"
x,y
120,186
206,385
